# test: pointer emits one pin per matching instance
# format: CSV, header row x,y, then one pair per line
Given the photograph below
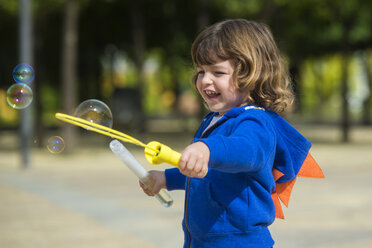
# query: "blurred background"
x,y
134,55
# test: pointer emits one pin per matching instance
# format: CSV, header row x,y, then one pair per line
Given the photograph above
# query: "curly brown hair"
x,y
259,68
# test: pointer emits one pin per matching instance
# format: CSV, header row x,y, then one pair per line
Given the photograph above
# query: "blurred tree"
x,y
312,28
355,34
139,50
69,69
367,104
202,21
303,29
26,55
8,44
324,85
45,22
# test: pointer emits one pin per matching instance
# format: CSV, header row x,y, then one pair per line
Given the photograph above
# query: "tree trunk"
x,y
69,70
42,67
297,87
26,56
202,21
139,47
345,61
368,101
345,116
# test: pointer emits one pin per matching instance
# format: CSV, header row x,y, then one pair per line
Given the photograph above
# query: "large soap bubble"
x,y
19,96
23,74
95,111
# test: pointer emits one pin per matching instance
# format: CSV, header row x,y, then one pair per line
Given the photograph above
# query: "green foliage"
x,y
321,79
311,33
50,101
239,8
9,7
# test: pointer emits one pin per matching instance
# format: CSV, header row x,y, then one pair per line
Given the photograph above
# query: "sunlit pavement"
x,y
90,199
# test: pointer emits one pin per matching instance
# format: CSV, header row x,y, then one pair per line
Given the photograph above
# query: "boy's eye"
x,y
200,73
219,73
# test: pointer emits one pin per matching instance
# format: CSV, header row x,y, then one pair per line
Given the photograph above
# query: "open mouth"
x,y
211,94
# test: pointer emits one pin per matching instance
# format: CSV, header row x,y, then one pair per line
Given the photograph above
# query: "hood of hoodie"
x,y
292,147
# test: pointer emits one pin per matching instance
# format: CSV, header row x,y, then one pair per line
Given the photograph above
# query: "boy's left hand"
x,y
194,160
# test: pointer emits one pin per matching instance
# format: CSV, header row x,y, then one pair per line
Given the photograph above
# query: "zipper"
x,y
209,130
205,134
186,205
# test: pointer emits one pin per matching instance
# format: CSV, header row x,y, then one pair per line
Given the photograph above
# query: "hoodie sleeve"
x,y
174,179
248,147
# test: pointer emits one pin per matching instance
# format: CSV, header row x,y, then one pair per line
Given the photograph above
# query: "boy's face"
x,y
215,84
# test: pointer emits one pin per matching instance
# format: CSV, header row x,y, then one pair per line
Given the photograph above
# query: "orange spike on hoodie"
x,y
283,191
310,168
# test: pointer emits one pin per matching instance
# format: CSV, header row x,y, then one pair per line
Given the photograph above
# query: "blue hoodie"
x,y
232,205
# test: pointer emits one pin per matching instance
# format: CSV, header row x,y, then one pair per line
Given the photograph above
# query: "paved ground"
x,y
90,199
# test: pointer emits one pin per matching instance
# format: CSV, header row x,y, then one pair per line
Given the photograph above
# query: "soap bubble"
x,y
23,74
95,111
19,96
56,144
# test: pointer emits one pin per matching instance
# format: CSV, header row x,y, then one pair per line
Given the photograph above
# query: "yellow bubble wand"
x,y
155,152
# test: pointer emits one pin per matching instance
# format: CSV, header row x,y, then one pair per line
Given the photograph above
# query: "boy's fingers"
x,y
199,167
149,192
190,166
183,162
202,173
145,189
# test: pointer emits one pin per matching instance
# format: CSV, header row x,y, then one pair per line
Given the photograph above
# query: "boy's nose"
x,y
207,79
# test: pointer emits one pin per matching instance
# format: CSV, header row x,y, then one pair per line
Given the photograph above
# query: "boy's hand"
x,y
194,160
154,183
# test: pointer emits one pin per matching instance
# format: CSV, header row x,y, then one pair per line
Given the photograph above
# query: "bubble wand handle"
x,y
157,153
135,166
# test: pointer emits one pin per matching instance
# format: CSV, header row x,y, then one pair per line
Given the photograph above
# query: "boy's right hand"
x,y
154,183
194,160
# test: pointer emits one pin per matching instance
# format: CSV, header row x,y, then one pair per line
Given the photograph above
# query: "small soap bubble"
x,y
23,74
95,111
19,96
56,144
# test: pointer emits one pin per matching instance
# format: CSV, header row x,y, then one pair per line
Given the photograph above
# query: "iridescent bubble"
x,y
56,144
95,111
19,96
23,74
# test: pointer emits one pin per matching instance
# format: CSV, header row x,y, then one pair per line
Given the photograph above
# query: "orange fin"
x,y
278,207
277,174
310,168
282,193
